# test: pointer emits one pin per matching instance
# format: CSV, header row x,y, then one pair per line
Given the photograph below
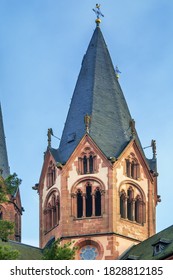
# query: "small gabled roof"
x,y
99,95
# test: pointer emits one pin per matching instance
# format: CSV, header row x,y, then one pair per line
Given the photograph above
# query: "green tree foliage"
x,y
7,253
3,191
6,229
8,188
12,182
59,252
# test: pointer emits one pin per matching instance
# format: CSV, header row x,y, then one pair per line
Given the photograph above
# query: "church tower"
x,y
98,189
11,210
4,166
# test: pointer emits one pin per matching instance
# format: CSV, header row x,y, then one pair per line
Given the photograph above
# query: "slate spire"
x,y
97,94
4,167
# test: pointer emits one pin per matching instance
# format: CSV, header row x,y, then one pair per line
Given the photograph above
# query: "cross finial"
x,y
98,14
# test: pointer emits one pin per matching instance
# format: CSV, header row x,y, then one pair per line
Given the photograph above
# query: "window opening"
x,y
132,208
91,164
88,201
88,253
85,165
130,204
97,203
132,168
79,204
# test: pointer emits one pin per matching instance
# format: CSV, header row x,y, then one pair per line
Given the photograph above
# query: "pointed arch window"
x,y
17,228
51,211
51,175
123,208
98,202
139,210
89,205
130,203
88,201
79,204
91,160
132,206
87,162
132,167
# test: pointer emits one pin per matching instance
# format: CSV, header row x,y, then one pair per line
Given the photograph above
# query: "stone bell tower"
x,y
98,189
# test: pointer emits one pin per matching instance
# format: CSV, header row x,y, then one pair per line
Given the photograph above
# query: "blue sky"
x,y
42,43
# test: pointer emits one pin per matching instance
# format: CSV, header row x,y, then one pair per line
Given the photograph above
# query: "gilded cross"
x,y
97,11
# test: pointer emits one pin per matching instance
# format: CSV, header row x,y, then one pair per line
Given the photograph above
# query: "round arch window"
x,y
88,252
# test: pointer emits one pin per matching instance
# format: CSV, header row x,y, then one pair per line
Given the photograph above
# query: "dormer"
x,y
160,245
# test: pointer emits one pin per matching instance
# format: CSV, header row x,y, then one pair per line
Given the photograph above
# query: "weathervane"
x,y
117,72
98,14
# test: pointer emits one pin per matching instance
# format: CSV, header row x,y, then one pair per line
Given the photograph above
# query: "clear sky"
x,y
42,43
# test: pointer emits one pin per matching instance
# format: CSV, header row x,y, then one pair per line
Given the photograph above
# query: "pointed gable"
x,y
98,94
88,149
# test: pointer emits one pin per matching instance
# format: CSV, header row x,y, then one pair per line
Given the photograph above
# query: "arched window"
x,y
132,205
91,164
17,228
123,205
132,167
1,215
79,204
51,211
130,195
97,202
139,209
54,210
128,169
85,168
51,175
88,200
87,163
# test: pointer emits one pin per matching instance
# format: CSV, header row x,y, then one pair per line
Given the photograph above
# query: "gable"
x,y
47,160
87,148
133,154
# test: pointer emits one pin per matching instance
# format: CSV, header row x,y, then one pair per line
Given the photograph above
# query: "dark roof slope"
x,y
145,250
3,150
98,94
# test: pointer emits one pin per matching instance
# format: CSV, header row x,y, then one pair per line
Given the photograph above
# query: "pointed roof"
x,y
3,150
99,95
